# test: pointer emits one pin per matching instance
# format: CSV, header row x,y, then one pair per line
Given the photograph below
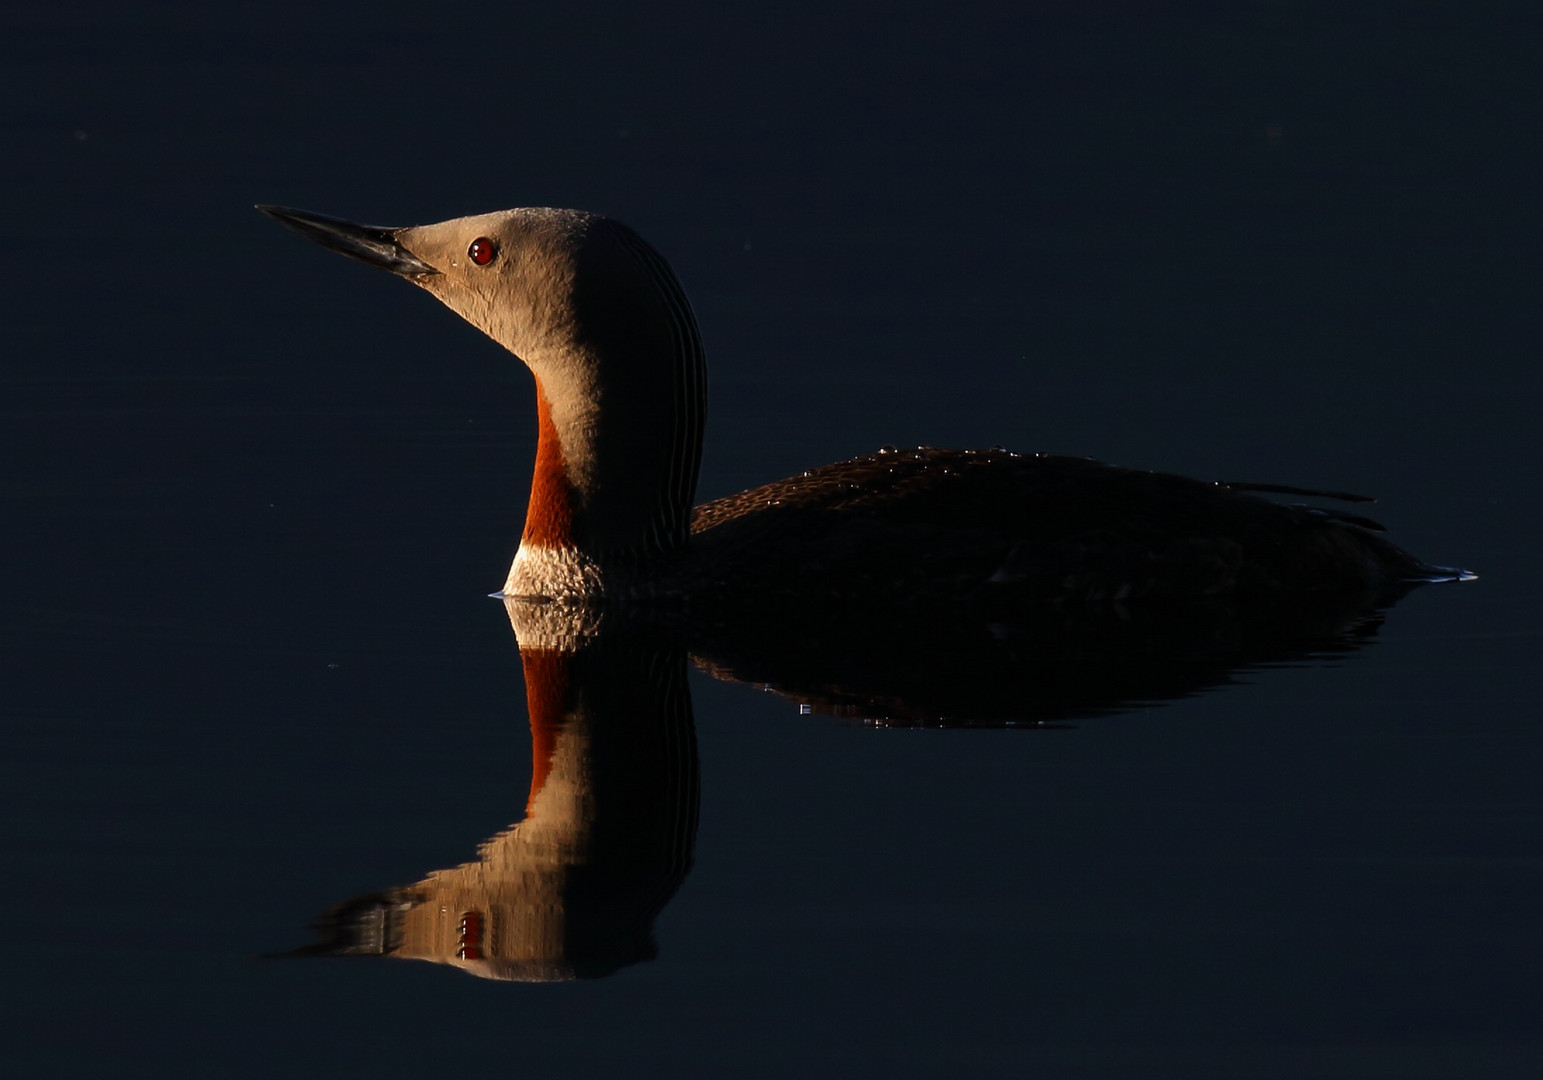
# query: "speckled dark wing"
x,y
989,525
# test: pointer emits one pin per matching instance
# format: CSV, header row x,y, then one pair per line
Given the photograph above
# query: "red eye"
x,y
482,251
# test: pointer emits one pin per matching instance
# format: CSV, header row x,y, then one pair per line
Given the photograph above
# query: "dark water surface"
x,y
254,498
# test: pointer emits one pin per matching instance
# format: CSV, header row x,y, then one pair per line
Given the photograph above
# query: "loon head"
x,y
600,320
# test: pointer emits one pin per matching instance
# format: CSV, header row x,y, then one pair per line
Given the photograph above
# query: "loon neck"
x,y
620,410
558,557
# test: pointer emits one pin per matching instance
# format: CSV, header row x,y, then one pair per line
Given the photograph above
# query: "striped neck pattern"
x,y
621,408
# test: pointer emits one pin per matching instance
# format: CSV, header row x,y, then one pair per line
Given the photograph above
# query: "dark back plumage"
x,y
994,527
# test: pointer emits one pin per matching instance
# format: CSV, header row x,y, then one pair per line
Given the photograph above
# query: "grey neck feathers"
x,y
631,424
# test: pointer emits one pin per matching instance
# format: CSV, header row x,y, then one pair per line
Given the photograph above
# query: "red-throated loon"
x,y
604,326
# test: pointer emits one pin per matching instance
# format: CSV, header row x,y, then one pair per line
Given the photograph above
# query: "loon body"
x,y
600,320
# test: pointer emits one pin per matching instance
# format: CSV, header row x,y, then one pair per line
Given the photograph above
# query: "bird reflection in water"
x,y
573,889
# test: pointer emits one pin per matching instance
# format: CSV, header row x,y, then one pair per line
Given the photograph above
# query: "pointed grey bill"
x,y
368,243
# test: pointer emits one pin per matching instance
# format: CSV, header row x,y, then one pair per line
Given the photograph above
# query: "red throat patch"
x,y
546,696
549,518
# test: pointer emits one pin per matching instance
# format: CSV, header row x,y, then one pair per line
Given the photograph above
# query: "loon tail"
x,y
1435,574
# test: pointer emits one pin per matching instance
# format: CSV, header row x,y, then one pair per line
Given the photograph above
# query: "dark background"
x,y
252,498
